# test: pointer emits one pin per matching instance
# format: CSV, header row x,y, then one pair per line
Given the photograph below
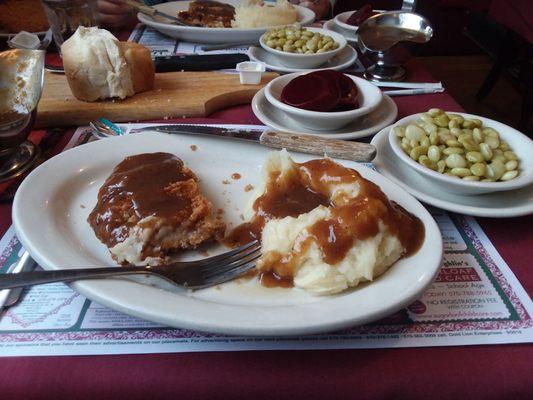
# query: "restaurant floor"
x,y
462,77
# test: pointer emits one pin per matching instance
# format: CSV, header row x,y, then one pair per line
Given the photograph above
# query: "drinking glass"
x,y
65,16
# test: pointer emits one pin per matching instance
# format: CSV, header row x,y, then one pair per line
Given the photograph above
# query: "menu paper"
x,y
475,299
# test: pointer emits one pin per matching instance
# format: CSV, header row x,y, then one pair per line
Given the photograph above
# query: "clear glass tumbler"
x,y
65,16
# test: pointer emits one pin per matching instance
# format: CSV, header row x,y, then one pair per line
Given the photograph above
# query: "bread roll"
x,y
98,66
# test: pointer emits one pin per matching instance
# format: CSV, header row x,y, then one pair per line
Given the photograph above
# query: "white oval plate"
x,y
332,26
198,34
51,224
382,116
514,203
341,61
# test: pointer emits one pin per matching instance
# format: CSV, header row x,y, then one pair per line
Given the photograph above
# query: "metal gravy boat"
x,y
387,39
21,84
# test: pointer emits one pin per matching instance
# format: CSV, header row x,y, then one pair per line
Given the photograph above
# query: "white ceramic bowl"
x,y
295,60
340,21
369,98
519,143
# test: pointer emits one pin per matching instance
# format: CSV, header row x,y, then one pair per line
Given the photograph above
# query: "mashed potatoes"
x,y
325,227
256,14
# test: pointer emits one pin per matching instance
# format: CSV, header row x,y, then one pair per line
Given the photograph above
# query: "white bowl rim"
x,y
300,111
336,36
521,180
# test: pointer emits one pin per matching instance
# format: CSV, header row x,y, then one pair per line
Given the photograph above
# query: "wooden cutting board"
x,y
175,94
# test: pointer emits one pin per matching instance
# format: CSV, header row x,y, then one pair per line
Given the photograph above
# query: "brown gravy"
x,y
137,189
352,219
381,38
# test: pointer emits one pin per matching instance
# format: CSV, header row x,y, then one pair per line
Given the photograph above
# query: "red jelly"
x,y
324,90
361,15
311,92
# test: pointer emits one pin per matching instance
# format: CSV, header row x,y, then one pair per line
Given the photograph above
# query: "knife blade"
x,y
354,151
143,8
197,62
9,297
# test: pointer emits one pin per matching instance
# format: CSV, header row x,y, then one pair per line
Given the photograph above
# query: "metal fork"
x,y
189,274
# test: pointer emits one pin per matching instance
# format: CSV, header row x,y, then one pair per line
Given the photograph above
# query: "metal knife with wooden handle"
x,y
346,150
143,8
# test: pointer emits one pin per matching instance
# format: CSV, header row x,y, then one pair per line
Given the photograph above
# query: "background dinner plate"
x,y
52,204
212,35
384,115
341,61
513,203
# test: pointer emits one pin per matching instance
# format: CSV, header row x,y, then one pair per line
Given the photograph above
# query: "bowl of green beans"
x,y
465,154
302,48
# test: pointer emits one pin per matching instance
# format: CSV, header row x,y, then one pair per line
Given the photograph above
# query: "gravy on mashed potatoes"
x,y
323,227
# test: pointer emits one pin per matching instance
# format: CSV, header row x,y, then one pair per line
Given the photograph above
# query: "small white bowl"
x,y
369,98
250,72
295,60
347,29
518,142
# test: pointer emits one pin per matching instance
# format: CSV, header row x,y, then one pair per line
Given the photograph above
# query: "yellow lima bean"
x,y
426,162
455,161
453,143
509,165
471,178
456,131
452,150
478,169
456,117
478,135
433,138
461,172
435,111
469,124
474,157
442,120
510,155
454,124
434,153
425,142
493,142
495,169
509,175
399,131
491,132
426,118
441,166
413,132
485,151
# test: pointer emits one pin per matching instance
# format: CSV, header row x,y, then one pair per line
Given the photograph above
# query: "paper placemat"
x,y
475,299
162,45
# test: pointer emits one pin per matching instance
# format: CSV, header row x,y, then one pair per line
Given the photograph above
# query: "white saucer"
x,y
513,203
341,61
331,26
382,116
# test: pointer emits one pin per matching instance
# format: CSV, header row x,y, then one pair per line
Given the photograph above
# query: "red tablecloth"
x,y
472,372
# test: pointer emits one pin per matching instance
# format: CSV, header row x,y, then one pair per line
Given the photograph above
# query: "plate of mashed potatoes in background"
x,y
226,21
389,253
